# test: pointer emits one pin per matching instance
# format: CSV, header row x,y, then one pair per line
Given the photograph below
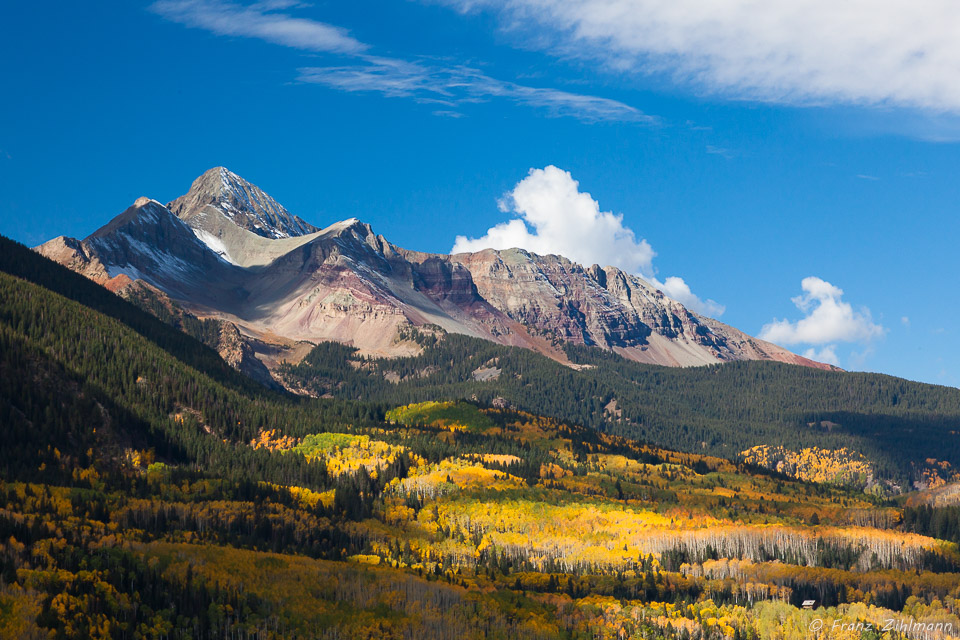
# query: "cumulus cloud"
x,y
827,320
679,290
555,217
827,354
449,85
893,52
565,221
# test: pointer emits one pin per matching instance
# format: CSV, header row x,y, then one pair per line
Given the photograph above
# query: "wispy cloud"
x,y
693,126
893,52
449,85
864,176
259,20
458,85
720,151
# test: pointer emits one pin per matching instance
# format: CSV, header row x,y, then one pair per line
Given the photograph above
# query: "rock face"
x,y
228,250
608,308
237,351
554,296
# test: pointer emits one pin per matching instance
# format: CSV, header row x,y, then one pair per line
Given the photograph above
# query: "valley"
x,y
479,320
153,491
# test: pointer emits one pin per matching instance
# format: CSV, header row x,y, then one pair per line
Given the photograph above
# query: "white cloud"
x,y
827,354
450,85
259,20
886,52
676,288
555,217
565,221
459,85
828,319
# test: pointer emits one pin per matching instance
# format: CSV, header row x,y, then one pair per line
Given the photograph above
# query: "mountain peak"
x,y
143,201
229,248
221,192
348,225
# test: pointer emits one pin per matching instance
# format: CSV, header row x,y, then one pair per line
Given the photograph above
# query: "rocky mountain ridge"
x,y
227,250
219,192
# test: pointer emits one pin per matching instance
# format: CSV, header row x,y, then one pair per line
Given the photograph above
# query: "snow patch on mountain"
x,y
215,244
237,196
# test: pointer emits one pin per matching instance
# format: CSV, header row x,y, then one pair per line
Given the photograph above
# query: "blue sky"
x,y
765,160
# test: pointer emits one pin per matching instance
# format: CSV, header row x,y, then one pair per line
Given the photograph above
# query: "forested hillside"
x,y
721,410
70,368
907,431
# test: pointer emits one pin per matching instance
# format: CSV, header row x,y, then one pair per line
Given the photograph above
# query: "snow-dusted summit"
x,y
220,193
